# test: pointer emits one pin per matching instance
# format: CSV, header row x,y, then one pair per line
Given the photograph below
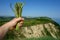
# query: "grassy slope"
x,y
43,38
29,22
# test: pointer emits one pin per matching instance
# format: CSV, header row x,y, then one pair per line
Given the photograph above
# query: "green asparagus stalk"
x,y
18,11
18,7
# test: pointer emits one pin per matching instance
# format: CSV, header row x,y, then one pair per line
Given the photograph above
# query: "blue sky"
x,y
33,8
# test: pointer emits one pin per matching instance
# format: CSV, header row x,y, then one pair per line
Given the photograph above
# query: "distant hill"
x,y
57,20
33,28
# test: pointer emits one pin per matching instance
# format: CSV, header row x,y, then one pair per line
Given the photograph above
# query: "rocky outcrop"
x,y
40,30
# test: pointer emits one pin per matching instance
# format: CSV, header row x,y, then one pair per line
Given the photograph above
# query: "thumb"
x,y
19,19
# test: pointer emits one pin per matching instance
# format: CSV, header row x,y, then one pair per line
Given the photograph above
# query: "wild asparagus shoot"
x,y
18,11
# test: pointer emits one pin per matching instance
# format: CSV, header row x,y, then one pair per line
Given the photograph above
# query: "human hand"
x,y
12,24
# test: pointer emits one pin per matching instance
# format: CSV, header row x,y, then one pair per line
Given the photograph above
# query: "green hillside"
x,y
29,22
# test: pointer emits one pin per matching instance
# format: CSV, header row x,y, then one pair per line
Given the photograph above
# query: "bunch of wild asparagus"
x,y
18,11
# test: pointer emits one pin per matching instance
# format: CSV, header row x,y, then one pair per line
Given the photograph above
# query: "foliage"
x,y
42,38
28,22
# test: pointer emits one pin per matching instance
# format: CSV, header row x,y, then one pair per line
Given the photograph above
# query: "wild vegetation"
x,y
17,10
28,22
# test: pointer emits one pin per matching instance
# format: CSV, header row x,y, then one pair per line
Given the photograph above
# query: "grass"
x,y
28,22
43,38
40,38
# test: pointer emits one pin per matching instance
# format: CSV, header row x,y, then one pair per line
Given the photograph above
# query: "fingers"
x,y
15,21
20,24
19,19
